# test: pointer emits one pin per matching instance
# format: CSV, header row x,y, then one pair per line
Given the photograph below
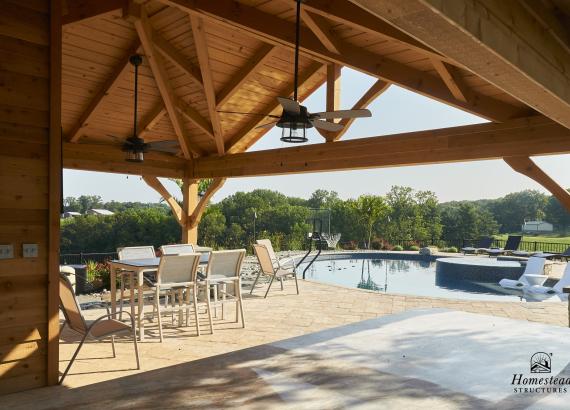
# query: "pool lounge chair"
x,y
532,275
483,243
554,291
554,255
513,242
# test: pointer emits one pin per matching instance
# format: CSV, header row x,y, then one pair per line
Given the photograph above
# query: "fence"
x,y
82,258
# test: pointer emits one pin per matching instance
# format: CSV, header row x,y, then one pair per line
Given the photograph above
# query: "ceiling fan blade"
x,y
258,114
327,126
289,105
268,125
342,114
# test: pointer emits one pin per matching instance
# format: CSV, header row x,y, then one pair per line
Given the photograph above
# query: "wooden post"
x,y
190,195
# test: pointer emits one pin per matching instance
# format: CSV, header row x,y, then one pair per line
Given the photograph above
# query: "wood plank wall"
x,y
25,112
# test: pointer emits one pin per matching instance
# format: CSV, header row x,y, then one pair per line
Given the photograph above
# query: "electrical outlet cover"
x,y
6,251
30,250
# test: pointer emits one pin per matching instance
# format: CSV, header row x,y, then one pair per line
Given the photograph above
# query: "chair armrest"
x,y
109,315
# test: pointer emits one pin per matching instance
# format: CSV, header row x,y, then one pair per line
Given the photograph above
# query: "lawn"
x,y
542,238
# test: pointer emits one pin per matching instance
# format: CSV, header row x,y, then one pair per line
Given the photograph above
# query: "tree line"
x,y
369,221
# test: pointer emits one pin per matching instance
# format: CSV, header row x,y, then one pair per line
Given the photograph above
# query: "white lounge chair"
x,y
268,268
556,290
136,252
178,249
532,275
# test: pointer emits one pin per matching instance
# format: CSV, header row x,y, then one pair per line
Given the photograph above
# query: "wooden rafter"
x,y
526,166
199,35
76,11
245,137
150,121
521,137
110,84
175,57
195,117
451,79
245,73
277,31
549,21
214,187
144,32
499,41
319,27
155,184
377,89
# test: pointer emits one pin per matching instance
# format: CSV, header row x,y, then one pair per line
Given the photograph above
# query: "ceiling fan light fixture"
x,y
134,148
296,134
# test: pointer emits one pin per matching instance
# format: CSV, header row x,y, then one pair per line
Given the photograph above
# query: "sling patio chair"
x,y
269,269
483,243
553,255
224,280
177,249
134,252
512,244
284,263
102,328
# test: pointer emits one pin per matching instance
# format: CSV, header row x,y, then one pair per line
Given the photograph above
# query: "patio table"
x,y
135,269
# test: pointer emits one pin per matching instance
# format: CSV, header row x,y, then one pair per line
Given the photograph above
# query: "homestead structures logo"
x,y
540,363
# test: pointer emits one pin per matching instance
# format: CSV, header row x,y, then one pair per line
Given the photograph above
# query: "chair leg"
x,y
281,280
121,302
195,291
73,358
209,306
136,343
254,283
296,283
269,287
224,290
240,300
113,345
157,301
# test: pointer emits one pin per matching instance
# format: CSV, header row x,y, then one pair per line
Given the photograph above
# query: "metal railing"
x,y
529,246
82,258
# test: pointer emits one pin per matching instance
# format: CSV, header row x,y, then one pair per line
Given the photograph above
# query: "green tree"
x,y
370,209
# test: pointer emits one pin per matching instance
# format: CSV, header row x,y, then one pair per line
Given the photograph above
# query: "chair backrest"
x,y
264,259
178,249
534,266
513,242
485,242
178,268
136,252
69,306
225,263
564,280
269,247
566,252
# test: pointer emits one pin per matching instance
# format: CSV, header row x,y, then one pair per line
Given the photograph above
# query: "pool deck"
x,y
98,380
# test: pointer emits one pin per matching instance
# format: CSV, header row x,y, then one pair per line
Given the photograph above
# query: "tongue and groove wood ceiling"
x,y
201,57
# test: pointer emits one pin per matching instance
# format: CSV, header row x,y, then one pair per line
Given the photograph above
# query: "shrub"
x,y
98,275
377,244
451,249
397,248
350,245
414,248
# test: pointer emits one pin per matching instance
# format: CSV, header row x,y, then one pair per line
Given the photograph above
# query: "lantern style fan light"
x,y
295,119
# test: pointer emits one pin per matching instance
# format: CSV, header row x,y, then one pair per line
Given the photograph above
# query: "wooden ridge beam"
x,y
175,57
246,137
199,34
108,86
377,89
111,158
521,137
244,74
214,187
275,30
499,41
319,27
149,122
155,184
526,166
75,11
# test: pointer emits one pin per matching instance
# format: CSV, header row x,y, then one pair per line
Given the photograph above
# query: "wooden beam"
x,y
214,187
333,96
275,30
500,41
546,16
525,136
175,57
144,32
55,193
377,89
245,73
199,35
149,122
76,11
177,211
107,88
110,158
246,137
320,28
195,117
190,201
451,79
526,166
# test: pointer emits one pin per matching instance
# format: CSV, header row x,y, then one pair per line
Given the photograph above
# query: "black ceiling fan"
x,y
296,119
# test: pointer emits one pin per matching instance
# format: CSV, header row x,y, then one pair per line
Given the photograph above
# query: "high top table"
x,y
135,270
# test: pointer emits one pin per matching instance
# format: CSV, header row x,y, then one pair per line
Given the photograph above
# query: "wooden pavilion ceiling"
x,y
203,56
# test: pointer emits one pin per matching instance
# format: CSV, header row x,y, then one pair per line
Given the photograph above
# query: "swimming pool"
x,y
408,277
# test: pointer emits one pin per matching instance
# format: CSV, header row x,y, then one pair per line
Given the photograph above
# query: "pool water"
x,y
406,277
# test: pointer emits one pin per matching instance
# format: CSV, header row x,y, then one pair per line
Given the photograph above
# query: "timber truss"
x,y
203,58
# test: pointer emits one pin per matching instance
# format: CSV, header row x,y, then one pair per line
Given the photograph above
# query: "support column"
x,y
190,202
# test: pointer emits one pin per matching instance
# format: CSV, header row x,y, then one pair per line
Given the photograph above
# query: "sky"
x,y
395,111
